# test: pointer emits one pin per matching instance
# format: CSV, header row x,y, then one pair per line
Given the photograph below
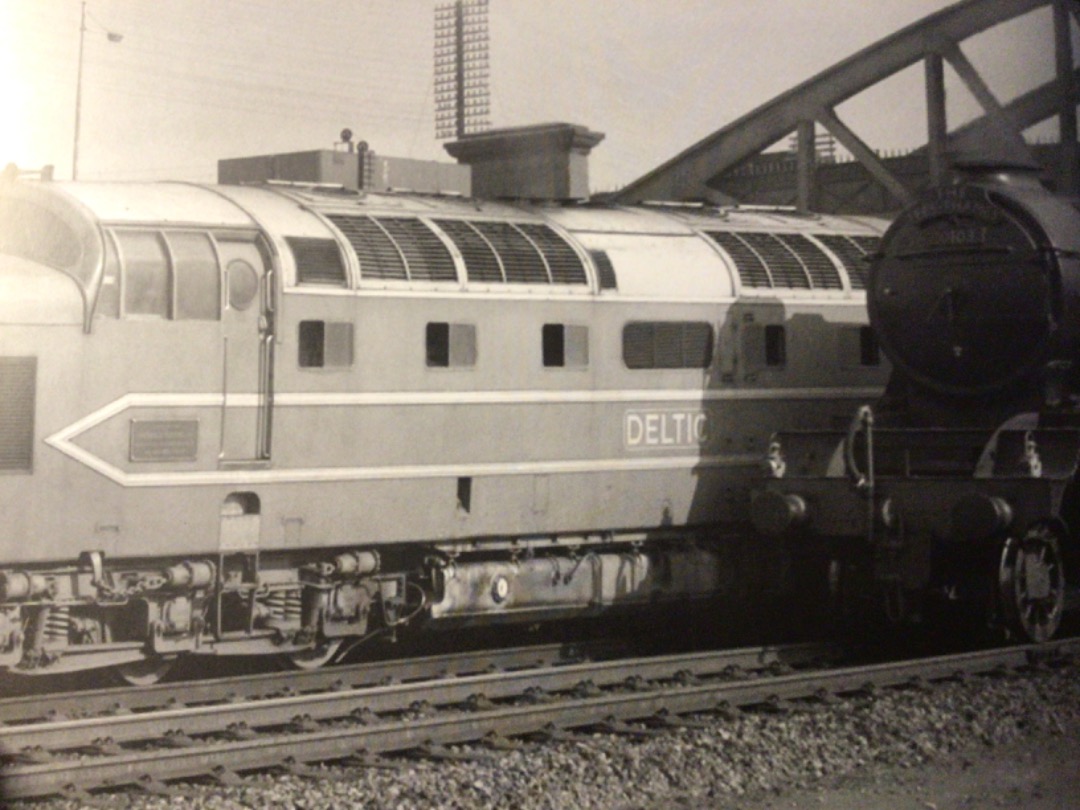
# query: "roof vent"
x,y
540,162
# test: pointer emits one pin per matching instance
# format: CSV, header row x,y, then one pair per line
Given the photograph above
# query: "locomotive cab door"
x,y
247,346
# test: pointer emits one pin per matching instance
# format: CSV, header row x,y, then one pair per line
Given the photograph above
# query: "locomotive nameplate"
x,y
951,220
665,428
164,440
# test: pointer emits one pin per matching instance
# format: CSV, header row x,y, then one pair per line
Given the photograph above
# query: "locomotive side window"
x,y
37,234
764,346
170,274
775,345
565,346
146,273
325,345
869,350
667,344
450,345
858,346
197,280
243,284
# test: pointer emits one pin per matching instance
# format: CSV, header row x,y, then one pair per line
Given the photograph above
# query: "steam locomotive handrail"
x,y
864,419
955,250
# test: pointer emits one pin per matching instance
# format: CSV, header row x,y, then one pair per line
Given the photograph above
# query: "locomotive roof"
x,y
413,242
224,206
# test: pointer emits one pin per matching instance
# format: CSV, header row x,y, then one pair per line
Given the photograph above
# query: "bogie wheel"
x,y
1031,584
145,672
315,657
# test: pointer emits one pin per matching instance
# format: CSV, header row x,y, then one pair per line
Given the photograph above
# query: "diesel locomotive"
x,y
283,418
958,487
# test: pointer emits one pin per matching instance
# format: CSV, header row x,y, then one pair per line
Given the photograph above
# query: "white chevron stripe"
x,y
63,440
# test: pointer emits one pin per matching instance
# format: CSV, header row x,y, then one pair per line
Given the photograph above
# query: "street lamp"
x,y
112,36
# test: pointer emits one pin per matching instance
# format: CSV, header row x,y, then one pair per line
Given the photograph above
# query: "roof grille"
x,y
379,257
562,261
784,266
481,263
521,260
852,252
823,273
426,257
749,265
779,260
515,253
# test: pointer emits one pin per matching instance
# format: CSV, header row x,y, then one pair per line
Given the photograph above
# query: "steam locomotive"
x,y
281,419
959,486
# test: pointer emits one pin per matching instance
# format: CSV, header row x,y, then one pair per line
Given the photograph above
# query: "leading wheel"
x,y
1031,585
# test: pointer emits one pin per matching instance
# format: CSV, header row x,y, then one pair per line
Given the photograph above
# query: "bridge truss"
x,y
935,41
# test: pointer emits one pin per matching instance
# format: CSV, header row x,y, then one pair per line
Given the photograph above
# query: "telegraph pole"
x,y
78,96
112,36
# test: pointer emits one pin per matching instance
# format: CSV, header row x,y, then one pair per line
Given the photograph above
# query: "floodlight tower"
x,y
461,68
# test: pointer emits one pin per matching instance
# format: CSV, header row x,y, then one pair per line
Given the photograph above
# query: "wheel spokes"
x,y
1032,585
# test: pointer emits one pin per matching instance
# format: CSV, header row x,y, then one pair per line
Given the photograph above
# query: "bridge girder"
x,y
934,41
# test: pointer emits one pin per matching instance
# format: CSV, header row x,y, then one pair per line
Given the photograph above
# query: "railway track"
x,y
219,734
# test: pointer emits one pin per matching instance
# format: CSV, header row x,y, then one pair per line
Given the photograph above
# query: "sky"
x,y
193,81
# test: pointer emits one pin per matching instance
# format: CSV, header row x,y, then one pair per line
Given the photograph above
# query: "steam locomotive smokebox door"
x,y
245,363
980,275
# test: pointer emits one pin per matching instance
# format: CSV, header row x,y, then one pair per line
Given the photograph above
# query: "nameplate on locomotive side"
x,y
164,440
665,428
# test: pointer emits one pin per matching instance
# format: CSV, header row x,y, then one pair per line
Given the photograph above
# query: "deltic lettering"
x,y
665,428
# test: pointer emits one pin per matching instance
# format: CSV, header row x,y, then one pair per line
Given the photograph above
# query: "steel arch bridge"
x,y
935,41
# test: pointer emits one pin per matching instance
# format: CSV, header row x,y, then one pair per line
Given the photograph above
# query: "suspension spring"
x,y
275,604
58,623
292,604
284,604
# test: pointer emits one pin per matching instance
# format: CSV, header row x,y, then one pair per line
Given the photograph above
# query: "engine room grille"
x,y
779,260
481,263
378,255
823,273
396,248
852,252
565,266
521,261
784,266
515,253
426,257
318,261
667,344
748,263
18,382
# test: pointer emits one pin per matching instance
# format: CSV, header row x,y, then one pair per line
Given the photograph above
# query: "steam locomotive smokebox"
x,y
991,265
541,162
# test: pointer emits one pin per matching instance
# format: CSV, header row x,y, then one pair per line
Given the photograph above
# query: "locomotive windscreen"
x,y
965,293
